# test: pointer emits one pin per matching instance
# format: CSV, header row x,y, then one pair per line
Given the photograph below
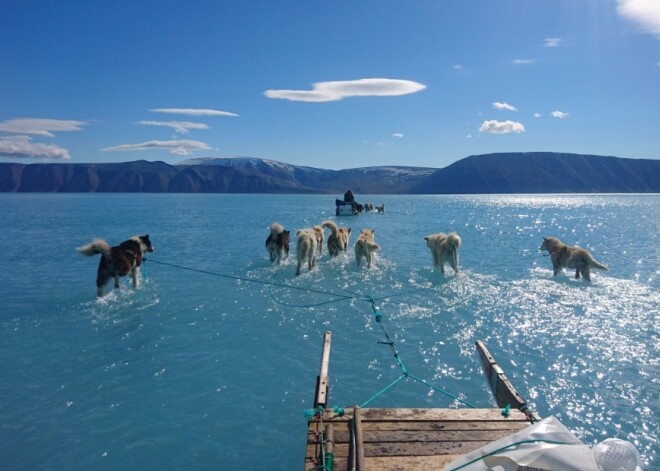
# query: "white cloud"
x,y
559,114
523,61
501,127
398,134
21,147
181,127
504,106
40,127
552,42
537,115
458,67
469,136
334,91
193,112
646,13
180,147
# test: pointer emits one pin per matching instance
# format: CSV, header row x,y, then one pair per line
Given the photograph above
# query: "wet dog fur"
x,y
118,261
277,243
338,238
366,246
444,248
566,256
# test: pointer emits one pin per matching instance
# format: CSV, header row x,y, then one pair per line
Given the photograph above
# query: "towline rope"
x,y
340,297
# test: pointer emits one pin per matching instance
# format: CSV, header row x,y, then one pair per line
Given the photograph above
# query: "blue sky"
x,y
327,84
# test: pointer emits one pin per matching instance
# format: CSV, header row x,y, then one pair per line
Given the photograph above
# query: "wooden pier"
x,y
401,439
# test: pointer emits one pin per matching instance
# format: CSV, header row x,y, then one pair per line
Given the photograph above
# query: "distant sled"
x,y
345,209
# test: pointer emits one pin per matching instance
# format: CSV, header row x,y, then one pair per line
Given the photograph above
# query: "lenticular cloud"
x,y
22,147
338,90
180,147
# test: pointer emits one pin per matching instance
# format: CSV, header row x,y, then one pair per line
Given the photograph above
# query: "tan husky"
x,y
306,246
338,238
563,255
444,248
365,246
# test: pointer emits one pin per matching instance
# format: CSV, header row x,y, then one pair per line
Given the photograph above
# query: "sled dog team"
x,y
443,247
127,257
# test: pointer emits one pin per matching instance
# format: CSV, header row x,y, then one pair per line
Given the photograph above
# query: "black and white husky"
x,y
118,261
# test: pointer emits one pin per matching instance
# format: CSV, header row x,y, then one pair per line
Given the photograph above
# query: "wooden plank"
x,y
425,436
410,448
420,414
323,380
511,426
406,463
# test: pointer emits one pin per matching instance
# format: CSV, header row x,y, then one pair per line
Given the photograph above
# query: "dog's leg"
x,y
135,275
116,281
586,274
298,267
577,273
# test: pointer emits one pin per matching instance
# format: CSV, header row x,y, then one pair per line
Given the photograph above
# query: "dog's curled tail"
x,y
276,228
332,226
95,247
594,264
453,240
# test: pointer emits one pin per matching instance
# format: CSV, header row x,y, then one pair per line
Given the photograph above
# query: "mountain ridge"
x,y
520,172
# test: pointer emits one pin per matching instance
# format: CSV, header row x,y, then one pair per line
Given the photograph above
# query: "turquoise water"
x,y
197,371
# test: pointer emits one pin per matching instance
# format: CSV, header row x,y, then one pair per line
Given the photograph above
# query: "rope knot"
x,y
338,410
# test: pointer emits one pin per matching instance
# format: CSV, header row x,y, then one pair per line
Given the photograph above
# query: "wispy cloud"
x,y
338,90
537,115
181,127
177,147
458,67
501,127
21,147
40,127
646,13
398,134
193,112
500,105
559,114
552,42
523,61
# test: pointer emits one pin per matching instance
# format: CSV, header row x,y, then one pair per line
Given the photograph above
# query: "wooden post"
x,y
322,380
359,445
503,391
328,459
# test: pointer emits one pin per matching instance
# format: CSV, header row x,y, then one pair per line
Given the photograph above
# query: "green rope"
x,y
397,356
340,297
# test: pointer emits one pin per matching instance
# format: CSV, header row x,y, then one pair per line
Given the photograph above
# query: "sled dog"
x,y
444,248
338,238
277,243
306,247
118,261
566,256
365,246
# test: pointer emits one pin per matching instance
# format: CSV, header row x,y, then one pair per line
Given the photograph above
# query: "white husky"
x,y
444,248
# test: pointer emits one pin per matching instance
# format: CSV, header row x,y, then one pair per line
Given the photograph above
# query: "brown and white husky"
x,y
118,261
338,238
444,248
366,246
563,255
277,243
